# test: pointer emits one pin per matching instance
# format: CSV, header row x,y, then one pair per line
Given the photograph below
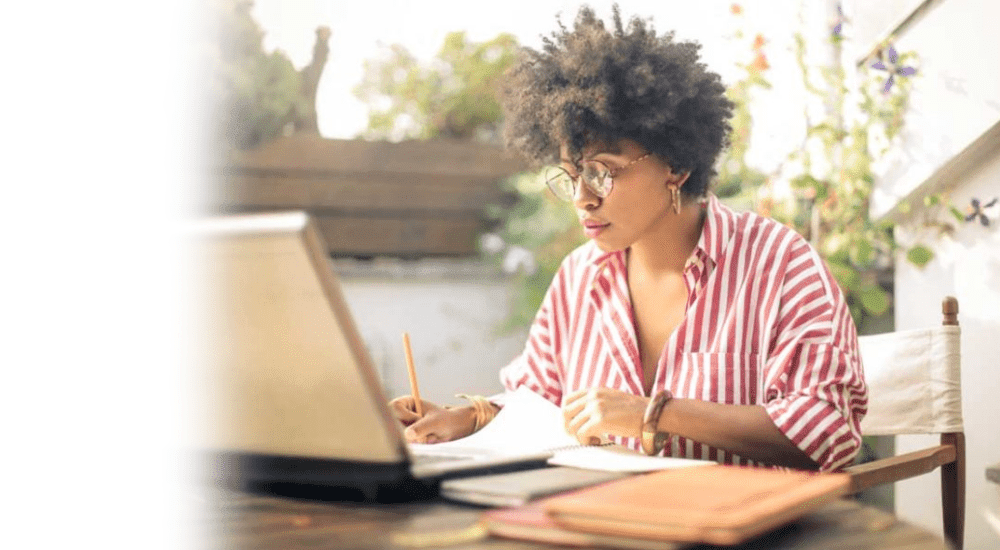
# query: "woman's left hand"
x,y
594,412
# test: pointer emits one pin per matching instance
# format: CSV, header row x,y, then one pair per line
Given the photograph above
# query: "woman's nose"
x,y
584,197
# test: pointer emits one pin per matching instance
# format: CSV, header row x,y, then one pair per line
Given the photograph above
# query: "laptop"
x,y
294,395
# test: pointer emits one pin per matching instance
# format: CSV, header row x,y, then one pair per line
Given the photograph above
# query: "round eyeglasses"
x,y
596,176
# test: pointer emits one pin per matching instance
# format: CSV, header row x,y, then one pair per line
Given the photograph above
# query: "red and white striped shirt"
x,y
765,324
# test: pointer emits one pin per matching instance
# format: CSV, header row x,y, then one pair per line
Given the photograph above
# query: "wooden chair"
x,y
914,385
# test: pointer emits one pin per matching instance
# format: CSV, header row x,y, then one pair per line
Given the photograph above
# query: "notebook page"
x,y
527,424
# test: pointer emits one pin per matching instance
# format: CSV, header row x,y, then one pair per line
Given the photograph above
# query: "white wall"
x,y
452,311
955,102
879,18
955,97
966,266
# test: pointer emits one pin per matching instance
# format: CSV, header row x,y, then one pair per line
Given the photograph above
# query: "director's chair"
x,y
914,387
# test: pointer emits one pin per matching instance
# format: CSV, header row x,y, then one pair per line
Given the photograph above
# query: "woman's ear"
x,y
677,179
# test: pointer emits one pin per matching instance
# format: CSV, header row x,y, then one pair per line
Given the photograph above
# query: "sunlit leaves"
x,y
831,177
919,255
846,275
861,252
874,300
453,95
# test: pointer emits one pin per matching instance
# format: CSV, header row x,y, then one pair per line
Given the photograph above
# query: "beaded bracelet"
x,y
653,441
484,410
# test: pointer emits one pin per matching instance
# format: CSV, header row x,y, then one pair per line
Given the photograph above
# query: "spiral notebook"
x,y
530,424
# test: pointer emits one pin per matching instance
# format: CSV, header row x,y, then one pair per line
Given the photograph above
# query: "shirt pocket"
x,y
728,378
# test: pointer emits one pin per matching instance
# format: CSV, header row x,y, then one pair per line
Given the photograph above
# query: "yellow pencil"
x,y
413,375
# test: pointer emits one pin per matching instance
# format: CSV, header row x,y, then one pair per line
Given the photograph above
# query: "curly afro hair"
x,y
590,85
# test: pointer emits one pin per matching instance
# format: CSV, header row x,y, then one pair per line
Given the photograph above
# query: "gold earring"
x,y
675,197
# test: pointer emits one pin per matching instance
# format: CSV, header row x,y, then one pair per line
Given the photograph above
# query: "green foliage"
x,y
257,93
454,96
919,255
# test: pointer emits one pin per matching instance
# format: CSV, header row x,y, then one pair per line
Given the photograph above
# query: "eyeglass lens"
x,y
595,175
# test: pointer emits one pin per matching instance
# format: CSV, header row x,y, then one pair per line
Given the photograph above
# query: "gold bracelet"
x,y
653,441
483,409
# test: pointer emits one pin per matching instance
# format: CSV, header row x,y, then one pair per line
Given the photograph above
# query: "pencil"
x,y
413,375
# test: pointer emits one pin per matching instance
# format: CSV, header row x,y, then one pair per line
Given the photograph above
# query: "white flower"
x,y
491,243
519,258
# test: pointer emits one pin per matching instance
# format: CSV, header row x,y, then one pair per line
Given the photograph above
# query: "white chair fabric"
x,y
914,381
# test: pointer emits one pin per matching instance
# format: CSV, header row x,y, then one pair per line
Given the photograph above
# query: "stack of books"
x,y
715,504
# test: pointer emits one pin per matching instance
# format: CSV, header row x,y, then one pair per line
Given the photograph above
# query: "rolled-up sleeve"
x,y
815,391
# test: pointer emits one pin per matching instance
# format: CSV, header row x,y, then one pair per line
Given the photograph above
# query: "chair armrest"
x,y
895,468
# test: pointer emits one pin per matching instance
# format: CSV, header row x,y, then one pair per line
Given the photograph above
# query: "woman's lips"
x,y
592,228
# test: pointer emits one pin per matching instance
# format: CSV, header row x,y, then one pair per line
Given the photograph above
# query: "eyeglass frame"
x,y
611,174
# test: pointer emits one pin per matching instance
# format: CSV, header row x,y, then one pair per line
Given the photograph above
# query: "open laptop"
x,y
295,395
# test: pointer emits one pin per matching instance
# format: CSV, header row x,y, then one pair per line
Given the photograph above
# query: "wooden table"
x,y
237,520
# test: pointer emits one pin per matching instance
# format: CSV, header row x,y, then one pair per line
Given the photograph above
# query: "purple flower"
x,y
888,59
838,23
977,210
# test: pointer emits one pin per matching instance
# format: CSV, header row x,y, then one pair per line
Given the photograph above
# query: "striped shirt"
x,y
765,324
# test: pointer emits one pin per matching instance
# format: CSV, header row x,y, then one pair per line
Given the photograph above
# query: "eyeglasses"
x,y
596,176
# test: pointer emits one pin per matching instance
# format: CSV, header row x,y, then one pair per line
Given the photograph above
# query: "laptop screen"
x,y
289,374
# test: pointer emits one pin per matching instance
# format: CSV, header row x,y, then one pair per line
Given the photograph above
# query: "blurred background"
x,y
869,127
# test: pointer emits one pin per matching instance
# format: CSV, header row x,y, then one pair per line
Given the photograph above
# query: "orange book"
x,y
715,504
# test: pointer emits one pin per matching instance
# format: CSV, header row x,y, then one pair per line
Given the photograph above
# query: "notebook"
x,y
529,423
295,398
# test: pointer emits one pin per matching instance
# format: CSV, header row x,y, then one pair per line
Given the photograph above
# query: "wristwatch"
x,y
652,440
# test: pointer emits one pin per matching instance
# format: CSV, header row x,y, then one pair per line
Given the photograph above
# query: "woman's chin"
x,y
608,246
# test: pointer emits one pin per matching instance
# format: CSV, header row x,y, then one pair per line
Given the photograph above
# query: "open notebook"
x,y
529,423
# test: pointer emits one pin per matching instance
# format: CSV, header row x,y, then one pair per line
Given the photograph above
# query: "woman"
x,y
722,332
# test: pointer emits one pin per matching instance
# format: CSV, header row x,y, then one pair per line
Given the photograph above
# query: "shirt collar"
x,y
717,232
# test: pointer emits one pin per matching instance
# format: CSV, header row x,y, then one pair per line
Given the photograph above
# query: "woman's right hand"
x,y
439,424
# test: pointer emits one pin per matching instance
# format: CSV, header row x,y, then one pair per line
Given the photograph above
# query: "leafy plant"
x,y
453,96
257,93
830,195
